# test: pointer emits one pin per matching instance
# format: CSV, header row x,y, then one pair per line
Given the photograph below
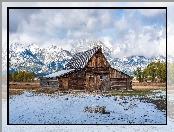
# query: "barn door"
x,y
65,83
91,83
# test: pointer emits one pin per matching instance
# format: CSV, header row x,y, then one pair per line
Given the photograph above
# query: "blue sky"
x,y
126,31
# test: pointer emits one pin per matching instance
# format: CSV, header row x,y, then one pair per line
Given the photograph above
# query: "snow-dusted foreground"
x,y
30,108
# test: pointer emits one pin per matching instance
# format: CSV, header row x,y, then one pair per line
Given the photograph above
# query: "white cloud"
x,y
145,41
122,24
47,26
152,12
80,34
134,37
106,20
107,41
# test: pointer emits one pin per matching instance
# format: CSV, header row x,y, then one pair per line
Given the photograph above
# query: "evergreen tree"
x,y
25,77
14,76
21,76
10,77
31,76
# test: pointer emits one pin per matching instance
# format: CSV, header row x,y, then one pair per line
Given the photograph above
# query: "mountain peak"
x,y
47,60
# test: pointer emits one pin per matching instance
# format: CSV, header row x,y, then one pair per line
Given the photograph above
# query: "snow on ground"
x,y
30,108
88,128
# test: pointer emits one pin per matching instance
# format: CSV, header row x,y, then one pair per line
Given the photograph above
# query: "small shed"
x,y
50,82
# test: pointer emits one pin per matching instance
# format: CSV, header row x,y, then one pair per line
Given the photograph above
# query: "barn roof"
x,y
57,74
79,60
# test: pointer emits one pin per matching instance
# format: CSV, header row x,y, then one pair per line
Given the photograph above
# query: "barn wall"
x,y
73,81
119,80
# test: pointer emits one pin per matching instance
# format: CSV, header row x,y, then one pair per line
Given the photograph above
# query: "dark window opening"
x,y
79,73
103,77
48,83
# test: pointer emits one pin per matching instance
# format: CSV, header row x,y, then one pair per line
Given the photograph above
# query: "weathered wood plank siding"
x,y
97,72
73,81
49,84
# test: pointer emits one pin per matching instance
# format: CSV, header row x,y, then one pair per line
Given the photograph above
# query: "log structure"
x,y
88,71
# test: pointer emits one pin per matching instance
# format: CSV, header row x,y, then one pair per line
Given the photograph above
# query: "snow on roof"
x,y
79,60
57,74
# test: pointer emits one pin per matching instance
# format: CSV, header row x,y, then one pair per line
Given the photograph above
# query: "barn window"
x,y
103,77
79,73
91,79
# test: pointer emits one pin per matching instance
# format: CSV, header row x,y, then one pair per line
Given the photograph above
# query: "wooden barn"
x,y
88,71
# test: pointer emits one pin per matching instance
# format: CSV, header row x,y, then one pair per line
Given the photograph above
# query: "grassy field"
x,y
20,87
138,88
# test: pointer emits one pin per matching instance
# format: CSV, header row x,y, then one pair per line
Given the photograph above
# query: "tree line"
x,y
21,76
154,72
170,73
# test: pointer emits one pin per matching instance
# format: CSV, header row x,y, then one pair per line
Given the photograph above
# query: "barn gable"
x,y
80,60
98,60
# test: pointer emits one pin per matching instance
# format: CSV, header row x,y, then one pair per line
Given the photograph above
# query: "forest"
x,y
21,76
154,72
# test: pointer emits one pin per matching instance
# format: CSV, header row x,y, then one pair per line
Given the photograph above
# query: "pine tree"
x,y
25,77
10,77
14,76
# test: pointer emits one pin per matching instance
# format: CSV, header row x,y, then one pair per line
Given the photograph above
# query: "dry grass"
x,y
24,85
16,88
19,87
16,91
148,87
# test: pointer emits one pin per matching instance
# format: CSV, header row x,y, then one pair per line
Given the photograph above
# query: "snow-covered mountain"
x,y
129,64
40,60
46,60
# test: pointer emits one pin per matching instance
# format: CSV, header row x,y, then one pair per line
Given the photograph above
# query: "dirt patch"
x,y
160,104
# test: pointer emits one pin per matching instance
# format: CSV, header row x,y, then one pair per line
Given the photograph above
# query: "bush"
x,y
103,111
97,109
